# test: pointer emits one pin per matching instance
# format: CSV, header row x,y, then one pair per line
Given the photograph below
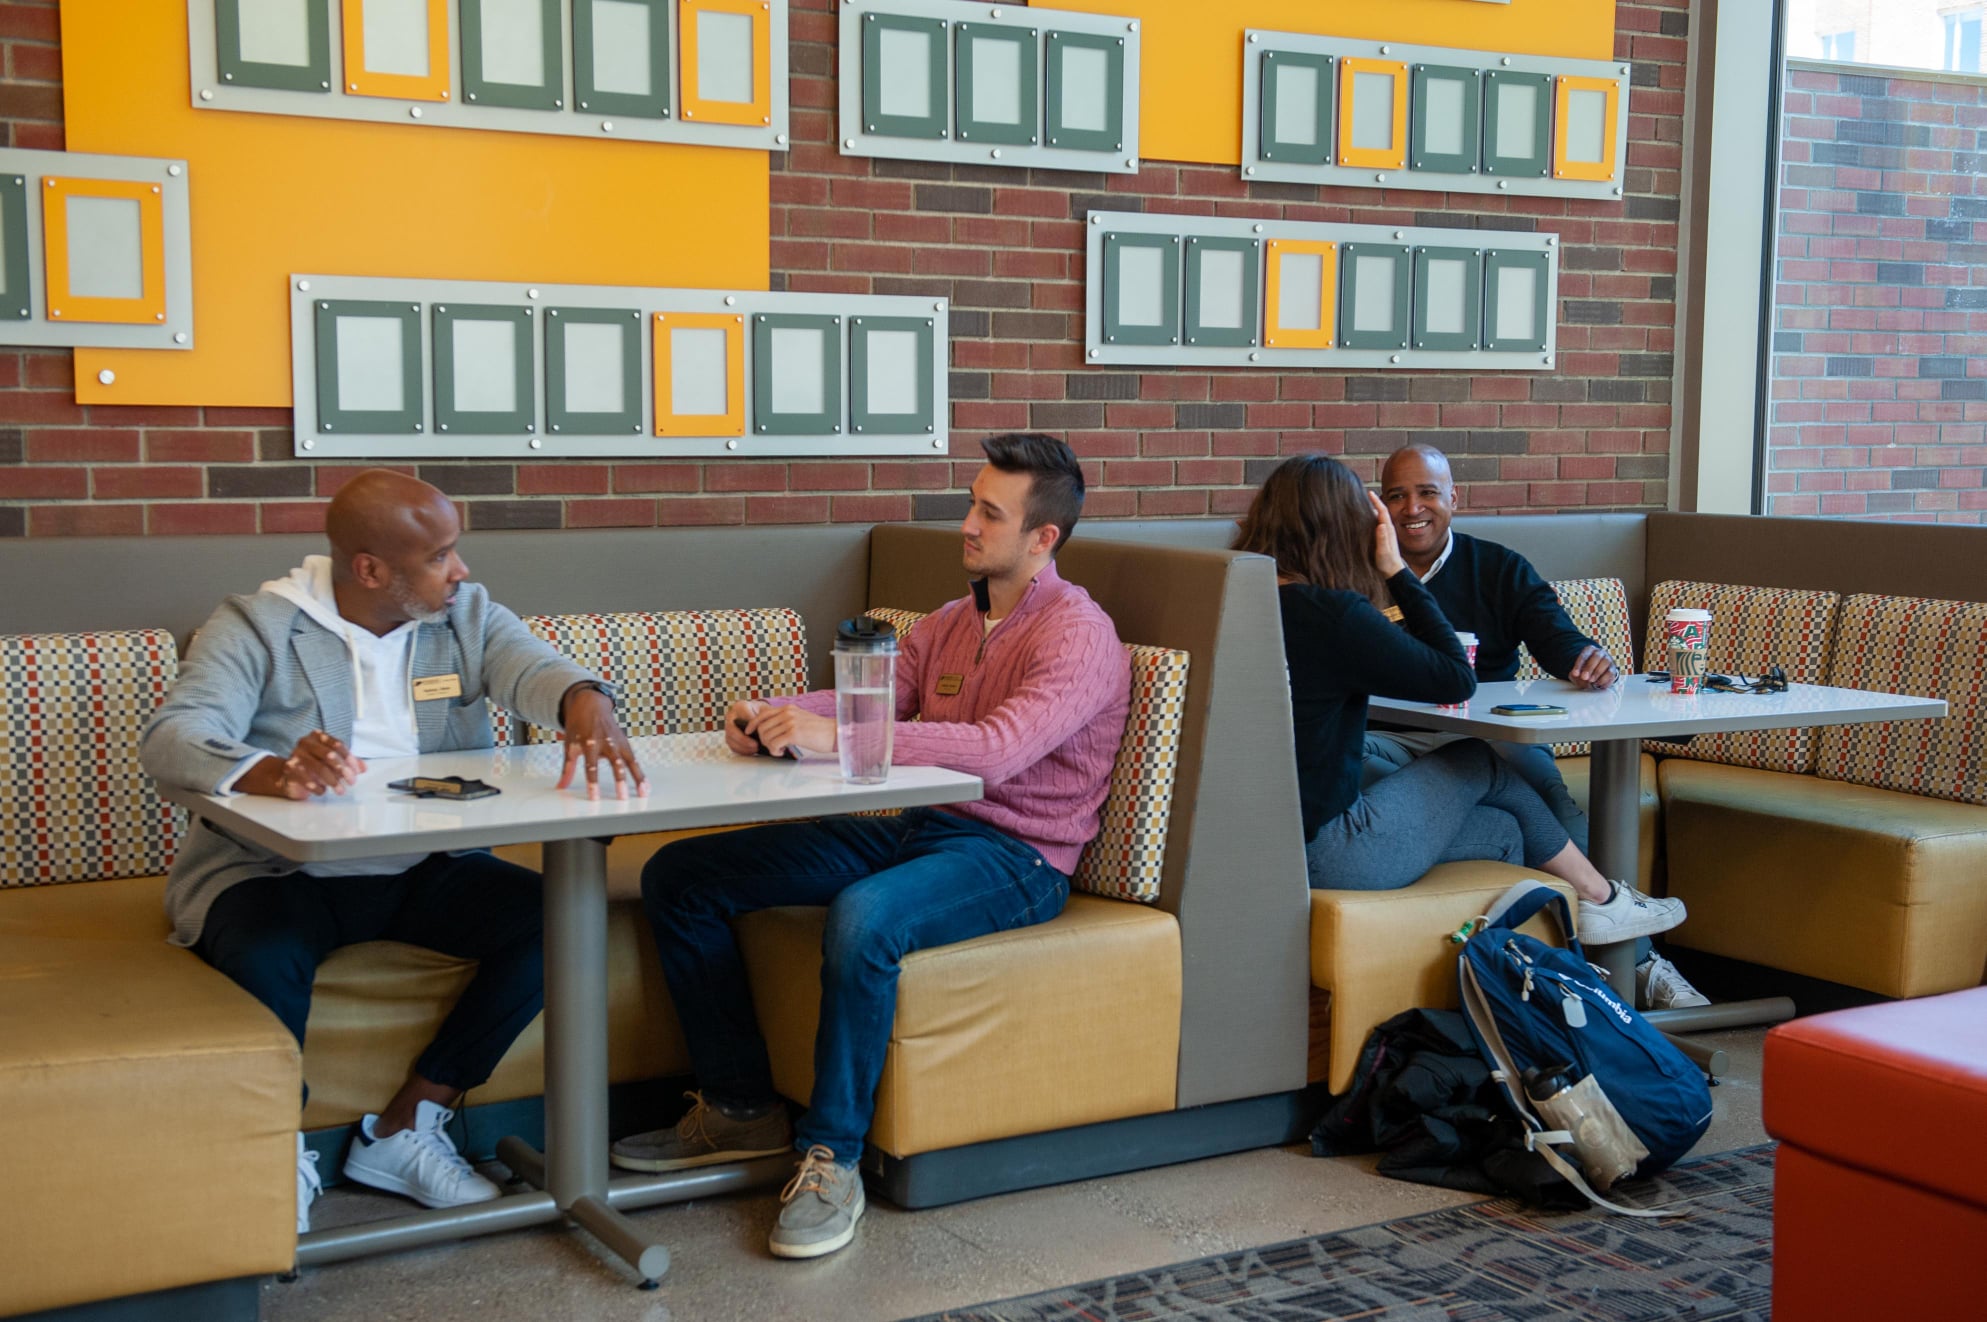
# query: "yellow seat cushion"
x,y
1070,1022
151,1105
1381,952
1869,887
377,1004
1578,774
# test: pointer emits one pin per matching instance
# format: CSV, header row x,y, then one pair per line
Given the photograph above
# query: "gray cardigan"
x,y
263,674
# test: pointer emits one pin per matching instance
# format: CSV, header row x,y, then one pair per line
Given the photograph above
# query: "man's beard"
x,y
410,605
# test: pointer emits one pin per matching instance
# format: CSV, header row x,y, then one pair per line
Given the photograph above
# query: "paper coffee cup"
x,y
1687,634
1468,640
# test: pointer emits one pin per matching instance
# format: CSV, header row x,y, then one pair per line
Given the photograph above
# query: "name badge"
x,y
430,687
948,685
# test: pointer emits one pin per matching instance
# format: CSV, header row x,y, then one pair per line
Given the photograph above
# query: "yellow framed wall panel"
x,y
1563,165
668,422
281,194
1352,123
701,109
1190,106
148,307
365,18
1275,333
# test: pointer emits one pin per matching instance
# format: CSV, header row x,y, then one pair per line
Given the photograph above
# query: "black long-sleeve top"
x,y
1494,593
1340,649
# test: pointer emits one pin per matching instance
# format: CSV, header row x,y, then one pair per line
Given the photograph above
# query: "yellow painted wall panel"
x,y
272,194
1190,90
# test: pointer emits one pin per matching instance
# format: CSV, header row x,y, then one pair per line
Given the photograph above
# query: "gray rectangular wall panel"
x,y
588,389
513,54
998,95
279,44
1380,298
630,94
1435,129
28,288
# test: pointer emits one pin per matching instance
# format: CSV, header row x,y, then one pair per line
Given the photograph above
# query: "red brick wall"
x,y
1879,391
1006,248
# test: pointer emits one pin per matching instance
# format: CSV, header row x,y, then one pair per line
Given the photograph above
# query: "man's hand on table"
x,y
1593,668
319,764
777,728
593,735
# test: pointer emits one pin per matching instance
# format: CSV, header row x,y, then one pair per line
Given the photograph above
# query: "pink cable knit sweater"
x,y
1039,713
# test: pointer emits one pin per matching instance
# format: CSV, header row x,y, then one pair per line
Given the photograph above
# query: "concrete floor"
x,y
901,1263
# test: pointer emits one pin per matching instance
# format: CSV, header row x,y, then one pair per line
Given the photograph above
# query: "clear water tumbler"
x,y
865,698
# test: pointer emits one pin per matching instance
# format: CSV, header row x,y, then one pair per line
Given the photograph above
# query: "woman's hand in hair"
x,y
1386,547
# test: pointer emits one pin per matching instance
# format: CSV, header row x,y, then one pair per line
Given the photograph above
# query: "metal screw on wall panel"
x,y
470,95
555,426
1505,60
1131,27
106,377
606,126
444,94
537,444
1255,37
780,138
206,94
1394,359
173,170
441,426
848,143
179,337
303,285
324,426
837,429
582,105
1503,183
558,105
441,308
531,426
417,426
1379,178
555,312
324,307
733,445
1547,360
310,445
1095,352
938,445
158,316
414,111
1256,357
637,429
531,293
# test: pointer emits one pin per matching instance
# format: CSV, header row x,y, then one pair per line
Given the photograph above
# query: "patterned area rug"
x,y
1483,1263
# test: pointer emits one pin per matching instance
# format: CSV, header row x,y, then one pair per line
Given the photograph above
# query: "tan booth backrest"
x,y
1942,561
1234,873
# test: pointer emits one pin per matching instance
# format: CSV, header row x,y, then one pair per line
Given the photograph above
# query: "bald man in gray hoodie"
x,y
381,649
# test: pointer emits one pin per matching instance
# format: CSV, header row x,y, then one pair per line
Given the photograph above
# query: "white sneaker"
x,y
1658,986
420,1162
1627,915
309,1184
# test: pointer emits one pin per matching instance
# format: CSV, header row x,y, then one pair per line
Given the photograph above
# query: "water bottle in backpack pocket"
x,y
1540,1012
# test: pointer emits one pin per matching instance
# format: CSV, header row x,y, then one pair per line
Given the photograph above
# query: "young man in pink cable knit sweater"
x,y
1022,683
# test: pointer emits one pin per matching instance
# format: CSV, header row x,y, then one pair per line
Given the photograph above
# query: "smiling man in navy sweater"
x,y
1493,592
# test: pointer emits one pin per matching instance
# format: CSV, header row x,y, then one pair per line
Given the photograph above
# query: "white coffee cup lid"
x,y
1689,613
1466,639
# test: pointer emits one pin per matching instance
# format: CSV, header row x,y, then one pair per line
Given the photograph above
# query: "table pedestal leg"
x,y
575,1166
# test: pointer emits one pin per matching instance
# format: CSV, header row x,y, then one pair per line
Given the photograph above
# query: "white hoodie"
x,y
382,692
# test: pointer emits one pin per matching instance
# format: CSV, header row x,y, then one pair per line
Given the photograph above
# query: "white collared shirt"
x,y
1448,545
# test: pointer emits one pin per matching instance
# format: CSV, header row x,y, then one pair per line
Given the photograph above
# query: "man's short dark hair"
x,y
1055,494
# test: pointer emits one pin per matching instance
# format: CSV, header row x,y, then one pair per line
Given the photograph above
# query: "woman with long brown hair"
x,y
1336,560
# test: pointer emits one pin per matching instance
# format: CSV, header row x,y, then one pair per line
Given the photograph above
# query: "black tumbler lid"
x,y
865,633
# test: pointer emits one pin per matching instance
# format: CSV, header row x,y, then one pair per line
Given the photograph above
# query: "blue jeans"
x,y
1461,801
271,933
891,885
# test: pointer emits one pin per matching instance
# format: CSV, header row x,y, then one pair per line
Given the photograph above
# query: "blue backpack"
x,y
1534,1005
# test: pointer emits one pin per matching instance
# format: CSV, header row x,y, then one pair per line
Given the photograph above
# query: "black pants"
x,y
270,934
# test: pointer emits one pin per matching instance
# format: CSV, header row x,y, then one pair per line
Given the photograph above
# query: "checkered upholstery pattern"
x,y
678,670
1934,649
1751,628
1598,608
1125,860
900,620
74,805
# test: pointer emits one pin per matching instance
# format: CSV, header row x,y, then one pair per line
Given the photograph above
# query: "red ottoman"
x,y
1880,1184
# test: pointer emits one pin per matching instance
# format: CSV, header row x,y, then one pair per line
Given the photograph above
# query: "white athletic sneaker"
x,y
309,1184
421,1162
1627,914
1659,986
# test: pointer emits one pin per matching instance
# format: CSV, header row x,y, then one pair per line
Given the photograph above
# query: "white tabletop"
x,y
1635,708
693,781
